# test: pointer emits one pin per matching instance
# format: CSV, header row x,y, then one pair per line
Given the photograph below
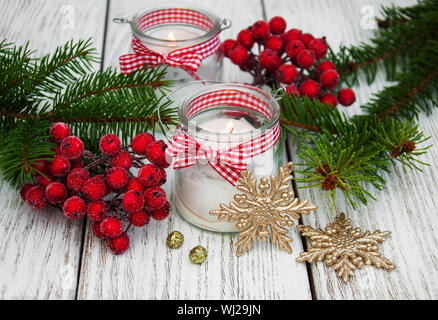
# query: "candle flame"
x,y
230,127
171,36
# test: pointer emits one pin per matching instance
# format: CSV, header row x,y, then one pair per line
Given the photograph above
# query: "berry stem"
x,y
94,163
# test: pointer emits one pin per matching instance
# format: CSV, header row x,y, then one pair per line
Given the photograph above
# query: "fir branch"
x,y
406,33
61,87
415,90
411,94
347,155
24,145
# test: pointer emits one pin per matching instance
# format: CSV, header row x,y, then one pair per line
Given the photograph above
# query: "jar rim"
x,y
142,36
196,88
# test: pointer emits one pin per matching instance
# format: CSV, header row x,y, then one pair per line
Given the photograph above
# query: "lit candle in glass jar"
x,y
173,35
169,27
199,188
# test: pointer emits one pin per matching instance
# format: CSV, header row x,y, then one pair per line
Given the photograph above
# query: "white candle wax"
x,y
201,189
172,33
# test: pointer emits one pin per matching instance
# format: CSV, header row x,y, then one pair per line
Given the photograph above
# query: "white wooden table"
x,y
44,256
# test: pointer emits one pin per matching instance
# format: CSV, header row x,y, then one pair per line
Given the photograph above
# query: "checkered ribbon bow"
x,y
229,163
188,58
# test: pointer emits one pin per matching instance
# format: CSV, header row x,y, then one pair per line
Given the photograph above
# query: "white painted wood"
x,y
149,270
407,206
39,252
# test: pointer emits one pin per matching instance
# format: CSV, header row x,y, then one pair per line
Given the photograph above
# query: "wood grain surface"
x,y
40,250
407,206
44,256
149,270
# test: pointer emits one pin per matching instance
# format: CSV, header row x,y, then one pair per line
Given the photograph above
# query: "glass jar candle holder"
x,y
224,129
177,34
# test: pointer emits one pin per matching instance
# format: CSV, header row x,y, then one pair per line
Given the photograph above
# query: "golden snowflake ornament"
x,y
344,247
262,208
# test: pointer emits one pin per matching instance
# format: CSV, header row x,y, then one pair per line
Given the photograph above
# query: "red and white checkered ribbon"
x,y
188,58
229,163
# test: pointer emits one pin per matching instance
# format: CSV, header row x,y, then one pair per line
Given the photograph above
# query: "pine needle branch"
x,y
62,87
406,32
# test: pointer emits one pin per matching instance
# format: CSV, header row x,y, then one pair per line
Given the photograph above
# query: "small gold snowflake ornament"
x,y
344,247
268,206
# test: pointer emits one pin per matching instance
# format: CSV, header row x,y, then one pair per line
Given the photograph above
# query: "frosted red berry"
x,y
274,43
346,97
95,227
161,213
59,131
111,227
120,244
62,181
117,177
72,148
330,79
60,166
56,192
277,25
76,164
286,74
74,208
24,190
110,144
44,180
94,188
294,47
306,38
122,159
306,58
163,176
155,198
310,88
133,201
227,45
238,54
76,179
97,210
139,218
329,99
140,142
269,60
293,34
319,46
156,154
324,66
149,175
135,184
57,150
293,90
260,30
244,37
250,62
35,197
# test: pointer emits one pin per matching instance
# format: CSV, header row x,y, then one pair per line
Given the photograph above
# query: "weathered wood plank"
x,y
149,270
40,251
407,206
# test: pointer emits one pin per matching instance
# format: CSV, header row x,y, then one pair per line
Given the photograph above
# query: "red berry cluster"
x,y
102,186
292,58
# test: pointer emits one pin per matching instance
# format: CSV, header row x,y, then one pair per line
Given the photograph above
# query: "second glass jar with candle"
x,y
220,116
178,25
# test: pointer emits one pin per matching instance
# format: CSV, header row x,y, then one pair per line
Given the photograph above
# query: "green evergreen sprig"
x,y
348,154
62,86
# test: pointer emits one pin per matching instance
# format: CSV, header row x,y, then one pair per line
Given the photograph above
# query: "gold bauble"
x,y
175,240
198,255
